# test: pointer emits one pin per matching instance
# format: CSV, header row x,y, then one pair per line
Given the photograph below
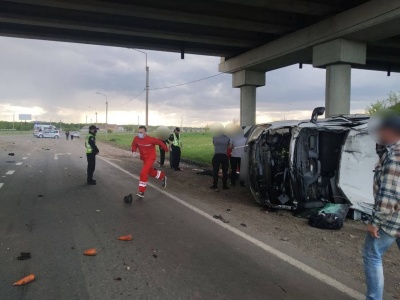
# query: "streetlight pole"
x,y
95,112
147,87
106,110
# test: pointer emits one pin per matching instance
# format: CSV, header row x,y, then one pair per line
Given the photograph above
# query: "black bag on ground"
x,y
324,220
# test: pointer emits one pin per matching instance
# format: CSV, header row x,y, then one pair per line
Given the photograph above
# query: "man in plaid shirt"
x,y
384,226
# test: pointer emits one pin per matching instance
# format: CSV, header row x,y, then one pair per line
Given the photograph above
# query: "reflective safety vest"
x,y
87,145
177,140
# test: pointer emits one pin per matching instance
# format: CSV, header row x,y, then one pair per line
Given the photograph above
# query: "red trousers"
x,y
147,170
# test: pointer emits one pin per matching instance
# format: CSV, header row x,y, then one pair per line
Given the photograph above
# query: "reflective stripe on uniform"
x,y
177,141
142,183
158,174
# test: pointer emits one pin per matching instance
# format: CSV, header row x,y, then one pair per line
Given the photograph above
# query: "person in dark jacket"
x,y
176,149
162,153
91,152
221,144
67,134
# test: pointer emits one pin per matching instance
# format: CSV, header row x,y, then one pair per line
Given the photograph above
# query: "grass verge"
x,y
197,146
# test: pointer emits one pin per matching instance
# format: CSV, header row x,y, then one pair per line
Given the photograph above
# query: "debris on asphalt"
x,y
128,268
118,278
45,149
155,255
219,217
352,236
40,196
243,224
11,154
125,237
98,210
25,280
285,239
73,248
24,256
90,252
228,209
205,173
128,198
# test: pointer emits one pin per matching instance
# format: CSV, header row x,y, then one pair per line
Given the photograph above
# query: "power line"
x,y
185,83
130,100
169,87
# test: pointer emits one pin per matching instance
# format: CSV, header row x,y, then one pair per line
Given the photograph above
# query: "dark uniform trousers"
x,y
91,159
235,163
222,160
176,157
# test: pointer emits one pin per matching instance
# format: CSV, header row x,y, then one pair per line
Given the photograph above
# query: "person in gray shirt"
x,y
221,144
237,144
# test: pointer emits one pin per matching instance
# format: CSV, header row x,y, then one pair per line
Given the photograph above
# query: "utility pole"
x,y
106,116
147,87
147,93
106,110
86,120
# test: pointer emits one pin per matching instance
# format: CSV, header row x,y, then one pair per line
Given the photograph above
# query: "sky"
x,y
57,81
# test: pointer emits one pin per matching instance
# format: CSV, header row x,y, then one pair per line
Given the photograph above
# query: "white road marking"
x,y
1,185
57,154
10,172
24,158
290,260
18,163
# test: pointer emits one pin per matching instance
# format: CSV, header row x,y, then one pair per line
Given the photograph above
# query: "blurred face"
x,y
387,136
142,133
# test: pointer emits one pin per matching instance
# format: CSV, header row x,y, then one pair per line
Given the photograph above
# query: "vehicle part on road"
x,y
40,196
125,237
243,225
45,149
128,199
219,217
155,255
11,154
24,256
118,278
164,182
90,252
25,280
326,221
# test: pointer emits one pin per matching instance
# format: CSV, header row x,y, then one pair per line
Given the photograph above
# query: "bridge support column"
x,y
337,56
248,81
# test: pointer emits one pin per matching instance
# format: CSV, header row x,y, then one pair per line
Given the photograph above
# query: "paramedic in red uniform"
x,y
147,149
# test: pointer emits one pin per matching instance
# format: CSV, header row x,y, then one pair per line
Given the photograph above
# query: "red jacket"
x,y
147,147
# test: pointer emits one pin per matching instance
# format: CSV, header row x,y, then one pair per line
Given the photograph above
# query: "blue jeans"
x,y
373,251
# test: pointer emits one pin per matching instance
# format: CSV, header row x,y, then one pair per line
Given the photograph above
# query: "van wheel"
x,y
56,137
41,135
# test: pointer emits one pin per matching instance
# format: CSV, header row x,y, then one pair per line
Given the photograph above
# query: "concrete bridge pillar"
x,y
248,81
337,56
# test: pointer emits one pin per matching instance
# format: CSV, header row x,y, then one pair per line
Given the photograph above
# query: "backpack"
x,y
324,220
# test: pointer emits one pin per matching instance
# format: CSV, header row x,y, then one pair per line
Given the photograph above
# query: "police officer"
x,y
91,152
176,145
221,144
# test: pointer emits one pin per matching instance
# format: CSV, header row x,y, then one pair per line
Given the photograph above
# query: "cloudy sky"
x,y
58,81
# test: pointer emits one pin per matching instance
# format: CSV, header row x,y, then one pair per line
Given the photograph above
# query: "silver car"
x,y
48,133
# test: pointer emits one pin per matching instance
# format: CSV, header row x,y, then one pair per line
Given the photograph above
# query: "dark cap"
x,y
91,127
178,129
391,122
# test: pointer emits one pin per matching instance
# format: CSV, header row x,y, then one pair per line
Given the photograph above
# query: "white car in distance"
x,y
48,133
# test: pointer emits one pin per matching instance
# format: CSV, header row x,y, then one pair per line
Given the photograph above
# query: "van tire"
x,y
40,136
56,137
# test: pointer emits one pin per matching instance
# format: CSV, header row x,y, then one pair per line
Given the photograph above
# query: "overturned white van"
x,y
308,164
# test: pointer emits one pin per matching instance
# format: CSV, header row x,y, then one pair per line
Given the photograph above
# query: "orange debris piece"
x,y
90,252
125,238
25,280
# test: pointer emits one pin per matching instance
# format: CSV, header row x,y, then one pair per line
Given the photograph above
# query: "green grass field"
x,y
196,146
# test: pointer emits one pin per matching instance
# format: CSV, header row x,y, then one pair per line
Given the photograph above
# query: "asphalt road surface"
x,y
47,209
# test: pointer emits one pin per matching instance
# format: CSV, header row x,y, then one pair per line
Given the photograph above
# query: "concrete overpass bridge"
x,y
252,37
